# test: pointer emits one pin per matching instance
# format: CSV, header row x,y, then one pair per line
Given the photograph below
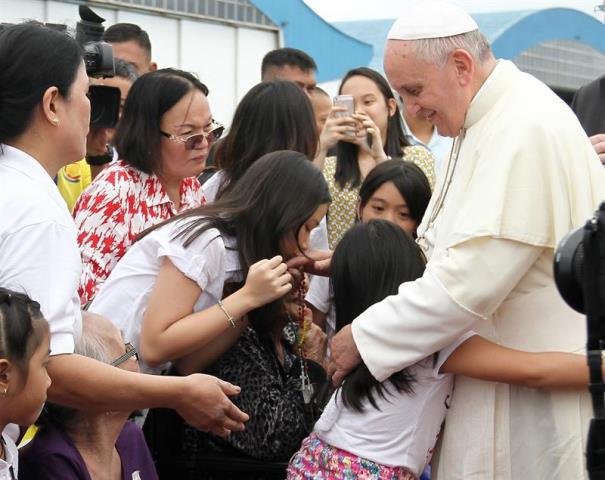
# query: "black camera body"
x,y
98,59
579,272
99,62
98,55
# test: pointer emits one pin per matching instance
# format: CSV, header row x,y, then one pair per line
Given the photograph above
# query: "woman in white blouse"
x,y
166,292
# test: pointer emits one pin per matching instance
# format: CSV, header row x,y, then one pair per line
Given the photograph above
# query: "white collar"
x,y
501,76
27,165
9,463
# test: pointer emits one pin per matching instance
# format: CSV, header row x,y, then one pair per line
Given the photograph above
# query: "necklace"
x,y
306,387
449,175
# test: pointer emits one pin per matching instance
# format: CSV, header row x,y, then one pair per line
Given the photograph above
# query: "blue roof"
x,y
494,24
334,52
510,33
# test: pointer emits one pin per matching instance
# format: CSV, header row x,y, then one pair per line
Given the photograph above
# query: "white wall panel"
x,y
209,50
163,33
58,12
252,45
12,11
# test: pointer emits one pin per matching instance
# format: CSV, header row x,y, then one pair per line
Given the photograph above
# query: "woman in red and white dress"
x,y
163,140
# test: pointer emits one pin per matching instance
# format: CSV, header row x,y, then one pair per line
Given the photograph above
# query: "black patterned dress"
x,y
271,395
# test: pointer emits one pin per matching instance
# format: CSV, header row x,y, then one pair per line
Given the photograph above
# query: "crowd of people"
x,y
325,291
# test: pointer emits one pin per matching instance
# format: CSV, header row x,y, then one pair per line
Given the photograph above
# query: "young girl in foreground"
x,y
24,350
387,431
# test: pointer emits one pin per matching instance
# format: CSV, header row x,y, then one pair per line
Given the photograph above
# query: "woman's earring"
x,y
55,121
5,391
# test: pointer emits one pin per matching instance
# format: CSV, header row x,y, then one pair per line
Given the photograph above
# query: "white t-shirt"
x,y
211,186
210,261
9,467
404,431
320,290
39,255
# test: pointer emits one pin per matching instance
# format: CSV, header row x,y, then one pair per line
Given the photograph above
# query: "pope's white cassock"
x,y
521,175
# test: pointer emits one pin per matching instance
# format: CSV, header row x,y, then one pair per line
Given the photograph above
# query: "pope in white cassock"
x,y
521,174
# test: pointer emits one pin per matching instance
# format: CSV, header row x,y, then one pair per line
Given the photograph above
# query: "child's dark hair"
x,y
370,263
22,328
275,196
347,168
407,177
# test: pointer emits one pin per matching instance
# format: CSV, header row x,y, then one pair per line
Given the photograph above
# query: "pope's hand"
x,y
315,262
344,355
316,342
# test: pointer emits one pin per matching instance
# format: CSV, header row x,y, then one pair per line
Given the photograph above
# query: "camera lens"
x,y
568,269
104,106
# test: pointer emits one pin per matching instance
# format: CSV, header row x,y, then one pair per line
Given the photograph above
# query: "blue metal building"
x,y
334,52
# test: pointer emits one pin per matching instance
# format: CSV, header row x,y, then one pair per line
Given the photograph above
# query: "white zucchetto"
x,y
432,19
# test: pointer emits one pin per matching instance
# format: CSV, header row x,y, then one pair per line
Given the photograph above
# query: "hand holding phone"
x,y
345,101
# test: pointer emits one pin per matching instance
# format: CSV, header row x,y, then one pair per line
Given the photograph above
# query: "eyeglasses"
x,y
130,352
195,140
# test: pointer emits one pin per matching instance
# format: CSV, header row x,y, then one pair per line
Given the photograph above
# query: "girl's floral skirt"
x,y
317,460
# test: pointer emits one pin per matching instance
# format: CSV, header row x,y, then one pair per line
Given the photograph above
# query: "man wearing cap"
x,y
521,175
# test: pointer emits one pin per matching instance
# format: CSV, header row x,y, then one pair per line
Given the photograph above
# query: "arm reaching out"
x,y
201,400
484,360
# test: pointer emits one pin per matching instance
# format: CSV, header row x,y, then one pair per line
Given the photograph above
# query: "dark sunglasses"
x,y
196,139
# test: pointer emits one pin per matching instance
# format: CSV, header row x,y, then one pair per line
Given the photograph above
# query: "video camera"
x,y
98,59
579,272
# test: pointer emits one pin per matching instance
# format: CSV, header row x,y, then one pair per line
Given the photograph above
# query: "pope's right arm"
x,y
463,285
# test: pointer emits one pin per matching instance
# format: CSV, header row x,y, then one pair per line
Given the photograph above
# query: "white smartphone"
x,y
348,102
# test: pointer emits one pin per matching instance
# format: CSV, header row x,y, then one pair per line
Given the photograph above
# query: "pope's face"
x,y
429,91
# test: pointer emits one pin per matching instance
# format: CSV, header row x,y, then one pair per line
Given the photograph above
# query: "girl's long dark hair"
x,y
272,116
407,177
347,168
370,263
275,197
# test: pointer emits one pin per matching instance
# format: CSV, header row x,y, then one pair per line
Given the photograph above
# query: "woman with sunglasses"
x,y
163,140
